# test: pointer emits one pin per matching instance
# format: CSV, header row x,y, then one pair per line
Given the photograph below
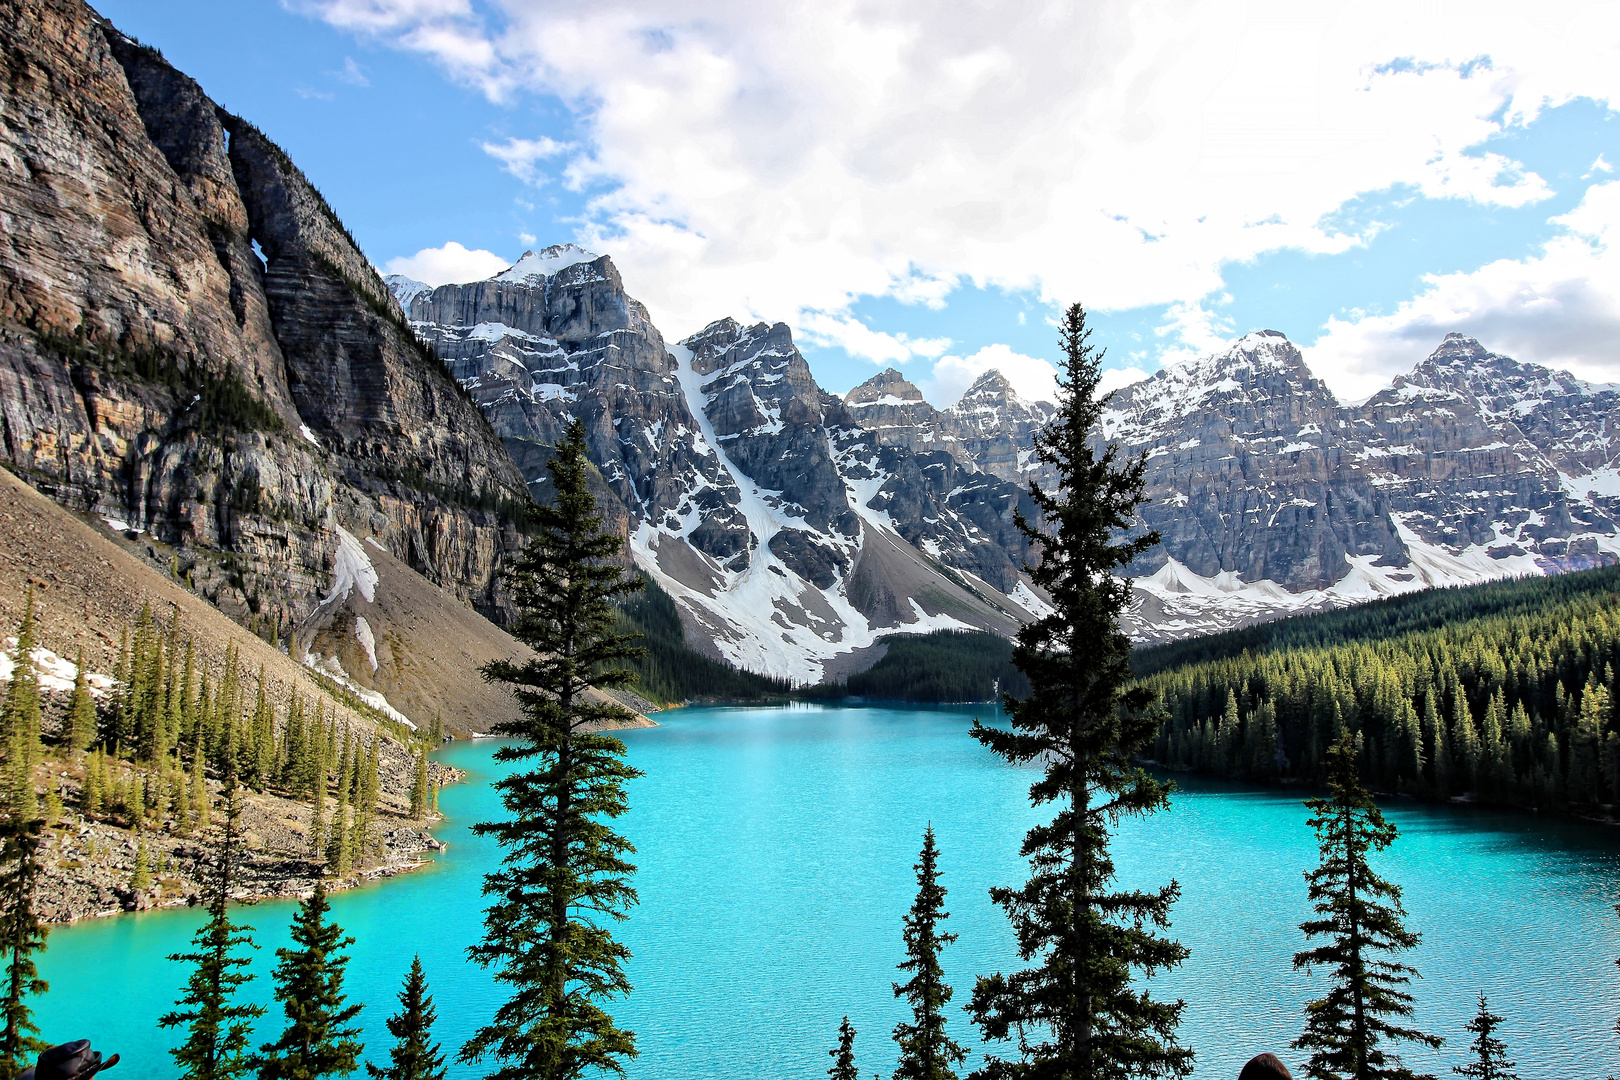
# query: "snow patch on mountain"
x,y
544,263
351,569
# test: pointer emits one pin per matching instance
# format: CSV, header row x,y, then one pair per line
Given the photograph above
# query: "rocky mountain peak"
x,y
725,342
547,262
991,388
886,384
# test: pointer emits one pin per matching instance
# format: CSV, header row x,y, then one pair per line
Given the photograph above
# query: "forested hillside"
x,y
1503,692
1381,619
946,665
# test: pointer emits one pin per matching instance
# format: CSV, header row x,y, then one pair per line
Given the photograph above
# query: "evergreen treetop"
x,y
218,1028
1489,1060
318,1040
414,1055
843,1055
1360,916
1076,1012
926,1051
21,936
564,879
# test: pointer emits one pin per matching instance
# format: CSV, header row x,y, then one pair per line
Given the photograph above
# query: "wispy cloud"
x,y
352,73
522,157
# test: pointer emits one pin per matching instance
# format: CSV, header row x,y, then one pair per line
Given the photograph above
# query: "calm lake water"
x,y
775,850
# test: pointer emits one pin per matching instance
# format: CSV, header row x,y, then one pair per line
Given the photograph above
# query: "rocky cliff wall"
x,y
191,344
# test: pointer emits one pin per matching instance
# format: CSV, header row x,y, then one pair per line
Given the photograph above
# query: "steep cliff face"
x,y
190,343
556,338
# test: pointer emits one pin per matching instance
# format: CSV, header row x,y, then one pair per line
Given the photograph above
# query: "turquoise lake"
x,y
775,849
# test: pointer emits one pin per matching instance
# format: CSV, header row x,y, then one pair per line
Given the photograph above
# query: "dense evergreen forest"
x,y
1380,619
947,665
1502,691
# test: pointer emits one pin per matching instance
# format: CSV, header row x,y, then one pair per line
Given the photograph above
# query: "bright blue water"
x,y
775,851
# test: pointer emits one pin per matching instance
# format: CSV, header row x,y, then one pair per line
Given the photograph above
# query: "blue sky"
x,y
923,192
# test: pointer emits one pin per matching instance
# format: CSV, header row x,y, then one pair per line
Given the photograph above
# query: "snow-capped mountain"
x,y
795,527
789,540
1272,498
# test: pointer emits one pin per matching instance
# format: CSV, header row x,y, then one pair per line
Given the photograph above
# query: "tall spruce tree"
x,y
414,1055
1360,915
318,1040
1488,1059
81,711
1076,1012
926,1052
564,880
843,1055
21,936
216,1044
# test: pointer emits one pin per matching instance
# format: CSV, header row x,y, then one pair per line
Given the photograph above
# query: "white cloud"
x,y
450,264
1560,308
858,339
765,160
522,157
1119,378
1032,377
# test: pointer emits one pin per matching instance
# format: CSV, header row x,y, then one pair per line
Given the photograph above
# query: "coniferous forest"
x,y
1503,693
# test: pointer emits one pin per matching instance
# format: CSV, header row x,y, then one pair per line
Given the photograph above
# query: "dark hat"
x,y
1260,1067
70,1061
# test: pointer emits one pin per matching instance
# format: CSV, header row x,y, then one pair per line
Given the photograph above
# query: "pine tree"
x,y
20,721
81,711
926,1052
419,789
140,878
1489,1053
21,936
1076,1013
317,818
216,1045
94,795
564,879
1361,915
843,1055
318,1040
414,1056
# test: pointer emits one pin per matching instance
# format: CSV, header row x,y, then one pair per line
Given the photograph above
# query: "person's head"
x,y
1265,1067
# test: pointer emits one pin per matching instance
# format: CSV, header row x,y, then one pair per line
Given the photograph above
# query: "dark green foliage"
x,y
21,936
1489,1053
671,670
20,719
564,880
414,1055
81,711
1379,620
318,1040
926,1052
1515,706
1076,1012
843,1055
216,1045
946,665
212,402
1360,915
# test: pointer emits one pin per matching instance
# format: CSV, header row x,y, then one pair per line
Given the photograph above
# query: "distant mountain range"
x,y
1271,497
194,348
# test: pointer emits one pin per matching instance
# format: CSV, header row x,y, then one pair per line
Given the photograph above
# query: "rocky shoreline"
x,y
88,865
